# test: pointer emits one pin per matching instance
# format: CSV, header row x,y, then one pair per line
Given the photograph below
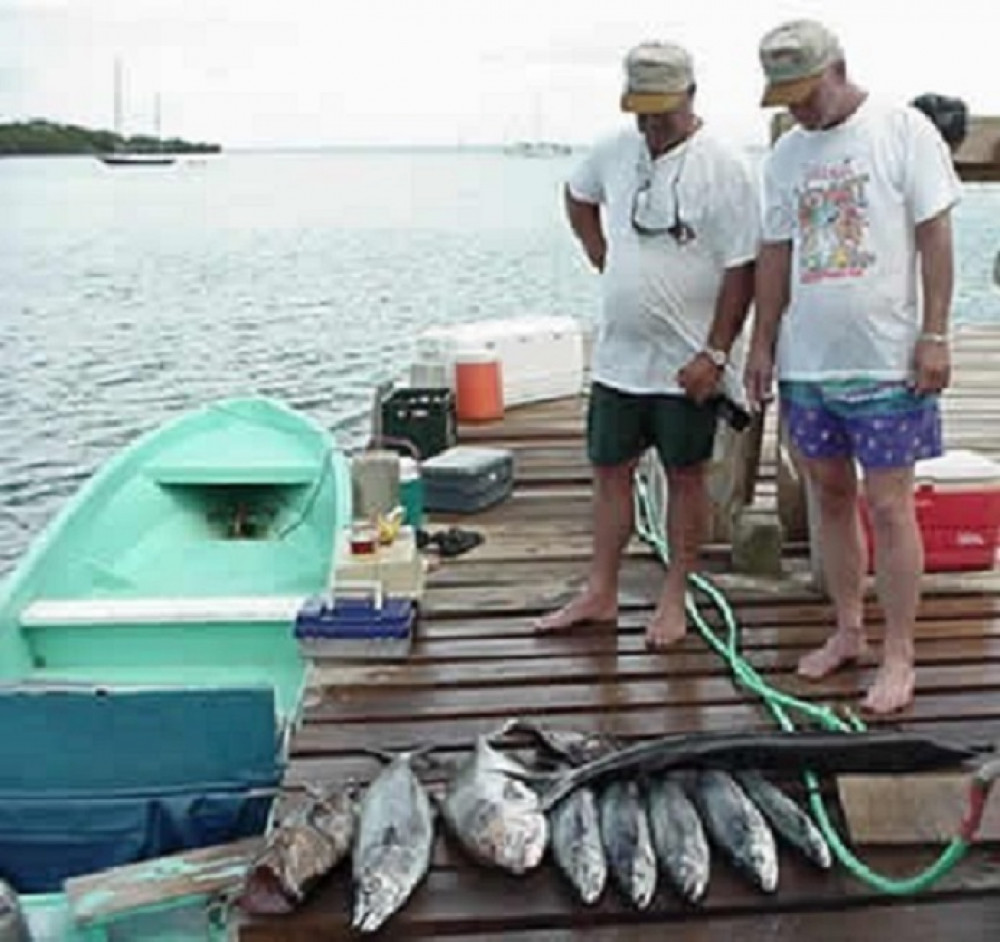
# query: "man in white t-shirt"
x,y
856,268
669,216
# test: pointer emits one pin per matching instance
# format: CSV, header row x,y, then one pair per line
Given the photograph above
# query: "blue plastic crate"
x,y
350,626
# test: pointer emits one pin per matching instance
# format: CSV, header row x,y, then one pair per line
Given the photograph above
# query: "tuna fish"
x,y
577,846
13,926
678,838
392,850
737,828
574,824
628,846
494,813
307,842
788,821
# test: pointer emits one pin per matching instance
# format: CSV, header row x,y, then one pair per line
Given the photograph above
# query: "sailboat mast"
x,y
118,99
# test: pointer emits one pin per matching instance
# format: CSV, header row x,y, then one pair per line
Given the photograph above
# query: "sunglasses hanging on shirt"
x,y
644,210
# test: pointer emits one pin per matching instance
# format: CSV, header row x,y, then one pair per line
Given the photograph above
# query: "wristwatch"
x,y
718,357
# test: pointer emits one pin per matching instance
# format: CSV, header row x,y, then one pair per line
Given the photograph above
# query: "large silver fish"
x,y
494,813
311,837
678,838
13,926
628,846
392,849
786,818
737,828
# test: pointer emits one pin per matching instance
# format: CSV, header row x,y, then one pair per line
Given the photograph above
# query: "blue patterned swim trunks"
x,y
881,424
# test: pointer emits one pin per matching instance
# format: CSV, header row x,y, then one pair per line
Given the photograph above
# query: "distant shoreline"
x,y
41,138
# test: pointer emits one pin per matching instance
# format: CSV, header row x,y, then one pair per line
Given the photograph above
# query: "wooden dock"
x,y
477,662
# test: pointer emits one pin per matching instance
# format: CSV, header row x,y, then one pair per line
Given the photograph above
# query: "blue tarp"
x,y
90,781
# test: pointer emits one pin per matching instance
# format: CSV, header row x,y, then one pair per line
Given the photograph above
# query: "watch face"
x,y
716,356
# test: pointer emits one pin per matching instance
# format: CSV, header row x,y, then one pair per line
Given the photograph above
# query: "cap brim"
x,y
790,93
652,102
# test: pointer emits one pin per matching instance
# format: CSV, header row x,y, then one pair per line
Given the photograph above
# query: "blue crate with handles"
x,y
355,621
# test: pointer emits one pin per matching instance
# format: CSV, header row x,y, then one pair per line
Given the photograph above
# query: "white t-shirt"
x,y
659,296
849,198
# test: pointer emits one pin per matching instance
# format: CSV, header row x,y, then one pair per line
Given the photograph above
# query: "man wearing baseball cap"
x,y
854,286
669,217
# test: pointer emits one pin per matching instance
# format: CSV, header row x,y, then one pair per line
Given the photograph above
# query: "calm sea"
x,y
128,296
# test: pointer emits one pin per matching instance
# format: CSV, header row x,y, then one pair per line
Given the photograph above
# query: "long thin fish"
x,y
872,751
627,842
678,838
392,852
737,828
786,818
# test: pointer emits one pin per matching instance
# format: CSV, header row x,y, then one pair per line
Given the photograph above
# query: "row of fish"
x,y
627,826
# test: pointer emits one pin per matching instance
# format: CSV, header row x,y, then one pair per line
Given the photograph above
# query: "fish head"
x,y
590,871
378,893
511,835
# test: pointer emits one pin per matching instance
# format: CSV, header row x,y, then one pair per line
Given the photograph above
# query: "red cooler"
x,y
958,510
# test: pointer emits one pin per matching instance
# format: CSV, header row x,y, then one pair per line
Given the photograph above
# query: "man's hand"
x,y
699,378
758,375
932,366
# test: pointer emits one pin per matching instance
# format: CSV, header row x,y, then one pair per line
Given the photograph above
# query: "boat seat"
x,y
49,613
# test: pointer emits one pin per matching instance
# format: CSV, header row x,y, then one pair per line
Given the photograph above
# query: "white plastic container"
x,y
541,356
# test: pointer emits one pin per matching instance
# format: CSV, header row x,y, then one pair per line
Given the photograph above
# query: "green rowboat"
x,y
148,663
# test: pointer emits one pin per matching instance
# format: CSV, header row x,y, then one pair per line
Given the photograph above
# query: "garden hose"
x,y
782,706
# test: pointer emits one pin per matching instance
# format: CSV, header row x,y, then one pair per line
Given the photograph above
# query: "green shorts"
x,y
621,426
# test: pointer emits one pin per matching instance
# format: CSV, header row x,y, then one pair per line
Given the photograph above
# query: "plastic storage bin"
x,y
466,479
425,417
540,357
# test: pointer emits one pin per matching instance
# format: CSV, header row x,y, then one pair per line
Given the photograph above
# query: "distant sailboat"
x,y
132,158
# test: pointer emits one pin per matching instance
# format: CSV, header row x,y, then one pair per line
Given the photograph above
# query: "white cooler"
x,y
541,357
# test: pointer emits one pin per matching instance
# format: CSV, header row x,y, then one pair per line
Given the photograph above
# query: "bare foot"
x,y
587,608
844,646
668,624
892,689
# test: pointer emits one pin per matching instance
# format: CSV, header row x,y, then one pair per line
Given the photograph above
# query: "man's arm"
x,y
932,359
585,221
937,271
774,265
732,306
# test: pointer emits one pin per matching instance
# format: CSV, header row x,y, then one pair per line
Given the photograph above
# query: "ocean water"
x,y
128,295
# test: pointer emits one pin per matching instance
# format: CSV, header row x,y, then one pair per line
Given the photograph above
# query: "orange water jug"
x,y
478,387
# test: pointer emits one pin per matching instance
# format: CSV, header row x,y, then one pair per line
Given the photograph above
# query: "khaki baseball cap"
x,y
794,56
657,78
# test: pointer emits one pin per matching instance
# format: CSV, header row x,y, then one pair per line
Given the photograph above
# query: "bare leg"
x,y
899,563
613,523
687,517
844,564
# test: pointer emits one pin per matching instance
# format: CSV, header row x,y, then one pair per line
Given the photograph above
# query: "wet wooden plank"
x,y
477,661
471,899
910,809
101,896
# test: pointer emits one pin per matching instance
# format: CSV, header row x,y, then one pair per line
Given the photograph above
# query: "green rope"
x,y
781,705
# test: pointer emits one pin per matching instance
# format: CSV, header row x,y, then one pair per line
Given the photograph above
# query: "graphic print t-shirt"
x,y
849,198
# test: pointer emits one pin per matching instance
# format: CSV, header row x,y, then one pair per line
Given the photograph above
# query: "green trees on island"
x,y
40,137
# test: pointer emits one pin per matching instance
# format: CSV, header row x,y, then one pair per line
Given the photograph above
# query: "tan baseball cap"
x,y
794,56
657,78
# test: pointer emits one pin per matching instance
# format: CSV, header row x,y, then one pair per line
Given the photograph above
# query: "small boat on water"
x,y
147,657
136,159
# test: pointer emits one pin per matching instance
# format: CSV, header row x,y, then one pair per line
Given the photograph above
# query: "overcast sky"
x,y
330,72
